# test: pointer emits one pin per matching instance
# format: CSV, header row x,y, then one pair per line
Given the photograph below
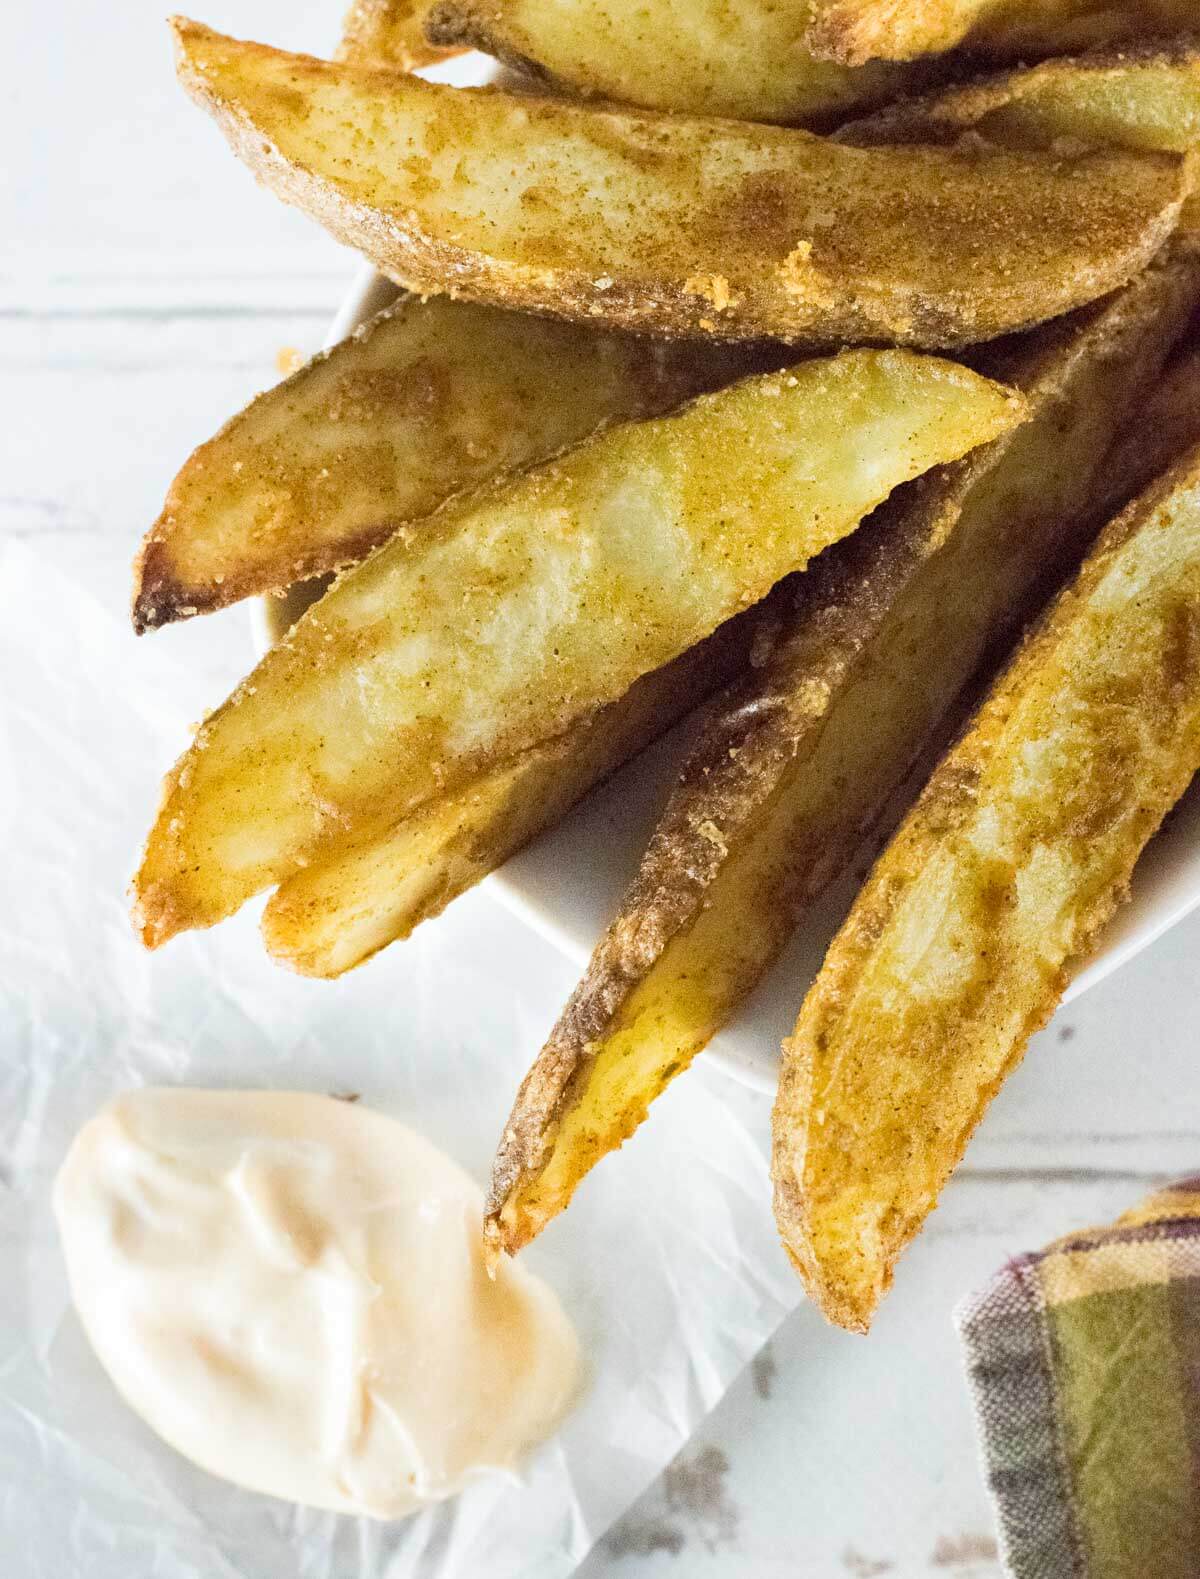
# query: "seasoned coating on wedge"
x,y
996,887
329,917
521,608
802,754
389,33
426,400
701,226
1145,97
856,31
703,57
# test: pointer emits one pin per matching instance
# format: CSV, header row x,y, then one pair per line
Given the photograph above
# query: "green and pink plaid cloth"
x,y
1084,1366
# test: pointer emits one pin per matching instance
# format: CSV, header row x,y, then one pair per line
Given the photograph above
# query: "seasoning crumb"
x,y
713,288
709,830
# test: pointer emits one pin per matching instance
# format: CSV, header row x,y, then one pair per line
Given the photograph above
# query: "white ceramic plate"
x,y
567,884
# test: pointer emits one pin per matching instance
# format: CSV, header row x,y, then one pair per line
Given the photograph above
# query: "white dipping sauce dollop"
x,y
290,1290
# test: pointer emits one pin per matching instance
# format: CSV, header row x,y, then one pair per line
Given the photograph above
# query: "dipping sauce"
x,y
290,1290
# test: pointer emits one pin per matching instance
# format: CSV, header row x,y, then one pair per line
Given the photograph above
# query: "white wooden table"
x,y
146,288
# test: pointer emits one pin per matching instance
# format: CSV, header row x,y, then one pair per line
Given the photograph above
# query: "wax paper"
x,y
667,1262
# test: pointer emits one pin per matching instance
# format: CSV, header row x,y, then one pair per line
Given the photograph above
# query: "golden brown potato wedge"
x,y
332,916
680,225
856,31
799,757
520,609
1147,98
427,399
389,33
995,888
703,57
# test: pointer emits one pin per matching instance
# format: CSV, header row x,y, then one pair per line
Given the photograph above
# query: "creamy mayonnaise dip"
x,y
290,1290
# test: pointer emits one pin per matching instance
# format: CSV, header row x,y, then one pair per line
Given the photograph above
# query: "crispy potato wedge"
x,y
426,400
713,227
703,57
996,886
389,33
856,31
800,757
1147,98
332,916
521,608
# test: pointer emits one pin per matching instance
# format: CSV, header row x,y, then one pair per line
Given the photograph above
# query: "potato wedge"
x,y
1147,98
799,757
853,32
996,886
703,57
332,916
389,33
426,400
521,608
713,227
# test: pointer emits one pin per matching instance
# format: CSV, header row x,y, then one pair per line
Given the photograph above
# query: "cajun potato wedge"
x,y
704,57
521,608
802,754
856,31
1147,98
427,399
389,33
996,886
703,227
332,916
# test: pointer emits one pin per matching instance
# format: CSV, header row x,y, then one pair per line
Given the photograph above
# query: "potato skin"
x,y
1143,97
389,33
1168,425
854,32
709,227
995,888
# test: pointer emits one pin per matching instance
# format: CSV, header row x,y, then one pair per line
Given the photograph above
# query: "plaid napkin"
x,y
1084,1366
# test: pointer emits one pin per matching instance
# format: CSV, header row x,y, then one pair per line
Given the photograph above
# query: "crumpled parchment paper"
x,y
668,1260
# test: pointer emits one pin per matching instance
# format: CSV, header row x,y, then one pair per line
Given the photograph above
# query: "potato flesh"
x,y
856,31
706,227
1141,100
997,885
521,608
428,399
802,755
328,918
704,57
